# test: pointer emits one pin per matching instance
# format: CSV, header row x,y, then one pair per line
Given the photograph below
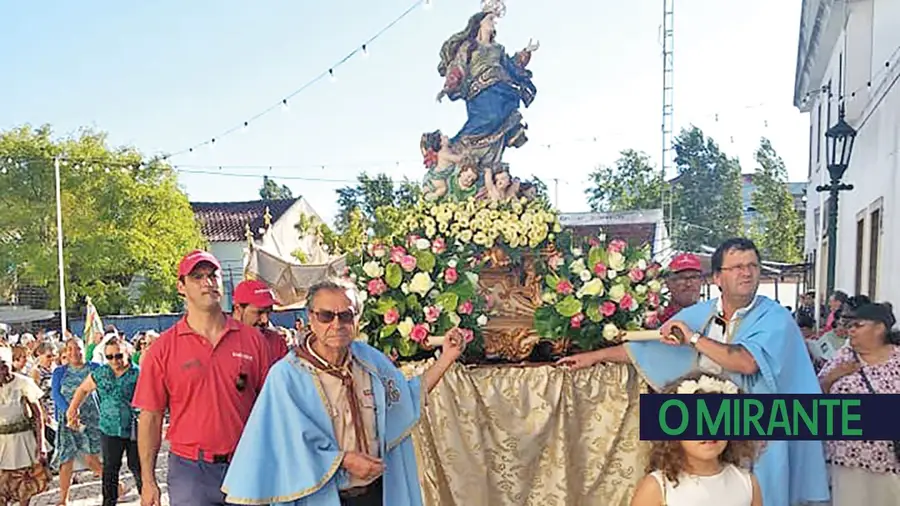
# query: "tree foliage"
x,y
707,192
126,224
776,229
632,183
372,208
270,190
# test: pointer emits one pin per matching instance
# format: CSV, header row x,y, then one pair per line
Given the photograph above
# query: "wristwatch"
x,y
695,338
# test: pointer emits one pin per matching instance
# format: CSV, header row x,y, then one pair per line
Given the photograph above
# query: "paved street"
x,y
87,491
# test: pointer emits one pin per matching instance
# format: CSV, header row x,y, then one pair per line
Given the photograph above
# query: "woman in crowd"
x,y
865,472
83,441
20,359
42,373
23,473
114,383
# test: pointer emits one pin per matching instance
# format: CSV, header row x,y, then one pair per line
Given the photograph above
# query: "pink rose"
x,y
432,313
411,240
392,316
564,287
626,302
468,335
575,321
397,253
593,241
651,320
450,275
419,333
607,309
438,246
617,246
636,275
653,300
466,307
408,263
654,270
600,270
376,287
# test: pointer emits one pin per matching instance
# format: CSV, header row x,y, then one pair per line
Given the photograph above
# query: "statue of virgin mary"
x,y
477,69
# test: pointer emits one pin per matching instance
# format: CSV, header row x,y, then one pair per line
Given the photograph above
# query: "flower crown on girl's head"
x,y
707,384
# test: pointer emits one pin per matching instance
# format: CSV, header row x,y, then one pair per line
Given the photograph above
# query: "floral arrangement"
x,y
707,384
593,292
415,290
481,224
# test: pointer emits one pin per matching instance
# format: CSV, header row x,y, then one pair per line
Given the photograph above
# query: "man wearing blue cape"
x,y
332,424
753,340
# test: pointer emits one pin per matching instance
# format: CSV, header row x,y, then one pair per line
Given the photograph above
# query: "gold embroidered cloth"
x,y
530,435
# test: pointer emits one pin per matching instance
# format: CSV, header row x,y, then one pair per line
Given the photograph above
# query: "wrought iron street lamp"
x,y
838,146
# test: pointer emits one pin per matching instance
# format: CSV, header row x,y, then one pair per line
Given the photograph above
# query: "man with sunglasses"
x,y
253,301
332,424
207,371
114,383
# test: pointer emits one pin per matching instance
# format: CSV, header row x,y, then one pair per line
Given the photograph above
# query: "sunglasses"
x,y
117,356
327,316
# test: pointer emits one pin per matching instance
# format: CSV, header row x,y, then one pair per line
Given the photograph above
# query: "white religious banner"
x,y
289,279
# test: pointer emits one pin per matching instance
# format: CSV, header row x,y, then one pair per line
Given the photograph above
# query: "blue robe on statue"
x,y
289,455
789,472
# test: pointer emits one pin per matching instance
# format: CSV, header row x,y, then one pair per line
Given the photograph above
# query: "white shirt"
x,y
716,333
18,450
731,487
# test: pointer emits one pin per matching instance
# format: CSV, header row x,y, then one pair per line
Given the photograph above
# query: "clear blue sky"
x,y
168,74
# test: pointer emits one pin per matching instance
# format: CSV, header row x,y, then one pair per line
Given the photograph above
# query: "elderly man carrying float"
x,y
756,343
332,424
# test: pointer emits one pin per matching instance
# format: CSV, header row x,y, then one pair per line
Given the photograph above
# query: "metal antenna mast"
x,y
668,111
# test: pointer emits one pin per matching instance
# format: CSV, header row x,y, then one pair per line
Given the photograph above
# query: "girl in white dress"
x,y
700,473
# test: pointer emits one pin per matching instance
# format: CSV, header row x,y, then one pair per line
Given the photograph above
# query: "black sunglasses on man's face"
x,y
327,316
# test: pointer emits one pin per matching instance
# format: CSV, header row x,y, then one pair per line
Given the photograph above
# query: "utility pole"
x,y
556,193
668,111
59,250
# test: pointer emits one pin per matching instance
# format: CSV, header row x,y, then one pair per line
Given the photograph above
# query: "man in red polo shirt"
x,y
684,280
253,301
207,371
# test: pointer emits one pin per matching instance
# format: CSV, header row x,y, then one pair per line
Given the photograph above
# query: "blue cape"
x,y
789,472
288,453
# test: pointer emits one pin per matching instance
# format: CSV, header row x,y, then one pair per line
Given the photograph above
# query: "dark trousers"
x,y
195,483
373,496
113,448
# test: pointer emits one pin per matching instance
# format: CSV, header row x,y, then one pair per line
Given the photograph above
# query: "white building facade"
x,y
849,53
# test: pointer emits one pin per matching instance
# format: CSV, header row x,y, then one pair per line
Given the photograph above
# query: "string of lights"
x,y
836,96
285,101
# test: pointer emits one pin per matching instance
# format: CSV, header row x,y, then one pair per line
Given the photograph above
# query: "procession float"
x,y
484,251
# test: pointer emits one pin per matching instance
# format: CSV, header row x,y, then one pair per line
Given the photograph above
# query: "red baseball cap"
x,y
685,262
254,292
190,261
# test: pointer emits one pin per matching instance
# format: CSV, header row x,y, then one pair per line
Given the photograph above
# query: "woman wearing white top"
x,y
700,473
22,461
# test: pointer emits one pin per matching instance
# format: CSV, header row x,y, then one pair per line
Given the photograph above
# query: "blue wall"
x,y
130,325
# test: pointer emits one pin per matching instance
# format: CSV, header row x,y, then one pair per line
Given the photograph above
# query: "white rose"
x,y
373,269
616,293
421,283
654,285
577,266
576,252
641,289
585,275
616,261
642,264
405,288
423,244
687,387
611,274
405,327
452,264
708,384
363,296
482,320
379,252
610,331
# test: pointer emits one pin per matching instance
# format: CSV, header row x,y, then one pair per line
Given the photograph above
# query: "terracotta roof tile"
x,y
225,221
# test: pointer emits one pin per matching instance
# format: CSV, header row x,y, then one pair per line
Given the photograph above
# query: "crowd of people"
x,y
256,416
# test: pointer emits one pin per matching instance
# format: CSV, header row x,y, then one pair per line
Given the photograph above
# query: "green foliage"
x,y
631,184
373,208
777,229
707,193
123,221
270,190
